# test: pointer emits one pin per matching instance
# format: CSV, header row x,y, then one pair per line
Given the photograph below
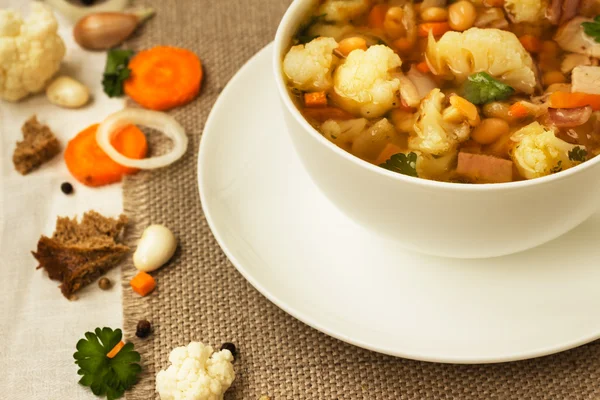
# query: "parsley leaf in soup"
x,y
106,376
116,72
592,29
302,36
578,154
405,164
482,88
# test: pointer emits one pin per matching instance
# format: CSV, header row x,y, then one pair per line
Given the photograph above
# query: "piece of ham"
x,y
569,117
561,11
483,168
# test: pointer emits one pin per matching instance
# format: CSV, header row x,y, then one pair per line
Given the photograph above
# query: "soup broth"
x,y
480,91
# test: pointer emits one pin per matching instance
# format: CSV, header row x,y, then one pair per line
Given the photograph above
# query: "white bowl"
x,y
444,219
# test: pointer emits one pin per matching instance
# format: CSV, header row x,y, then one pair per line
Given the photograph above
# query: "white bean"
x,y
156,246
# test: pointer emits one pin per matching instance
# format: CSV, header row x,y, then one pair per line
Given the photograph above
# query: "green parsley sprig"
x,y
302,36
482,88
105,376
578,154
116,72
405,164
592,29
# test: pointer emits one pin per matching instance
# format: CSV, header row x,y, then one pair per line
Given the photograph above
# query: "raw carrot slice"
x,y
531,43
315,99
164,77
437,28
574,100
388,151
115,350
377,16
90,165
143,283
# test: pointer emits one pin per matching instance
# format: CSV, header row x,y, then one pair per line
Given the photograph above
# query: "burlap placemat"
x,y
200,295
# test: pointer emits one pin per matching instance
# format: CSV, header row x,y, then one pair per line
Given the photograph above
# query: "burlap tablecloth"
x,y
200,295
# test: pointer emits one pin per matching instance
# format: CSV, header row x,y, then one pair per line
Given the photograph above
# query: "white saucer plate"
x,y
305,256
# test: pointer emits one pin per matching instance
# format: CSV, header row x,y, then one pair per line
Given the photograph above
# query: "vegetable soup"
x,y
479,91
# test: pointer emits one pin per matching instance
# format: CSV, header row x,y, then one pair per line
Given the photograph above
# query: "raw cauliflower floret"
x,y
532,11
432,134
497,52
196,373
309,66
30,51
364,84
539,152
343,10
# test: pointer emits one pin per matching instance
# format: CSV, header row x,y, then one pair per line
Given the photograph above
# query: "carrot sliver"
x,y
518,110
315,99
574,100
388,151
143,283
423,67
164,77
377,16
531,43
115,350
324,113
90,165
436,28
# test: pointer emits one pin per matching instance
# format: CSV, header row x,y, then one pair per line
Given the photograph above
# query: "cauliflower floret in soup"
x,y
497,52
364,83
531,11
309,66
343,10
539,152
432,135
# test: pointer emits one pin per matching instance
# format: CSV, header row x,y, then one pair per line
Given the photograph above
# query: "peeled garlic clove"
x,y
67,92
156,246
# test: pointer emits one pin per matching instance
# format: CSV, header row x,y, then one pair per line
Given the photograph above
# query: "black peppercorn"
x,y
143,329
66,188
104,283
231,348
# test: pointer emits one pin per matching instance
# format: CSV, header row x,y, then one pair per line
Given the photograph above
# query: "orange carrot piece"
x,y
574,100
437,28
324,113
423,67
115,350
164,77
531,43
518,110
377,16
388,151
90,165
315,99
142,283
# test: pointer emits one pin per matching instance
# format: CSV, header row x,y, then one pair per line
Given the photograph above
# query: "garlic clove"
x,y
67,92
156,246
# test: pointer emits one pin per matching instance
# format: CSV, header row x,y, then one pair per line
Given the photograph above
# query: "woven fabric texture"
x,y
200,295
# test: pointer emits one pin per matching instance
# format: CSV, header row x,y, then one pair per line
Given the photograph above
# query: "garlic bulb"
x,y
67,92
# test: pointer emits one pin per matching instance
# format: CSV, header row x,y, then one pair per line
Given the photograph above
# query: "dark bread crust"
x,y
39,145
80,252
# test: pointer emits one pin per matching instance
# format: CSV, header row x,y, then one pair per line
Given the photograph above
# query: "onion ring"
x,y
151,119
